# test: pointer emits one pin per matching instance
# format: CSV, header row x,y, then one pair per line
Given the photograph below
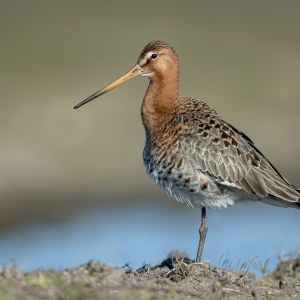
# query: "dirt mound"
x,y
174,278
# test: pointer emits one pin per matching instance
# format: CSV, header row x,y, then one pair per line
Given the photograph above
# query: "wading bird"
x,y
191,152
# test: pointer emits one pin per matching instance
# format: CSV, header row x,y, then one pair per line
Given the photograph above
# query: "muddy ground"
x,y
174,278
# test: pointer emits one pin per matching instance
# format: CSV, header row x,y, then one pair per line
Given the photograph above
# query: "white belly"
x,y
180,191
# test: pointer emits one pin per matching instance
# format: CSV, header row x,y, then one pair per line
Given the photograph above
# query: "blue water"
x,y
138,234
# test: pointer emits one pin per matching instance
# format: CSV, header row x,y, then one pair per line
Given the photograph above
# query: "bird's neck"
x,y
160,104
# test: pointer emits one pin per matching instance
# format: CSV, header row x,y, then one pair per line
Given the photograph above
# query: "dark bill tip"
x,y
90,98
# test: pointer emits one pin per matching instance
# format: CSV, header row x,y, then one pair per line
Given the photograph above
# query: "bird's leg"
x,y
202,231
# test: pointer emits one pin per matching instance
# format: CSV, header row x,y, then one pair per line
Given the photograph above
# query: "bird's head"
x,y
158,61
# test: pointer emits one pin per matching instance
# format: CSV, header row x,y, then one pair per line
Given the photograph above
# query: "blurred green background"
x,y
242,57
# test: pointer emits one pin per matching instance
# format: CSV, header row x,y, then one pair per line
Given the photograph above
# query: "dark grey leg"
x,y
202,231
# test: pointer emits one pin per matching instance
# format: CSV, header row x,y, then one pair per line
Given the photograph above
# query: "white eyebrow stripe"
x,y
149,54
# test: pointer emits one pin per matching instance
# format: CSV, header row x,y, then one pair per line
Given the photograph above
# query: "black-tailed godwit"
x,y
191,152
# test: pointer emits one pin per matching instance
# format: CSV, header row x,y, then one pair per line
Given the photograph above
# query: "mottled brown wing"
x,y
230,156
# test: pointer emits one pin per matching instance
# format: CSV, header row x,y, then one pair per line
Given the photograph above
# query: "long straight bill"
x,y
134,72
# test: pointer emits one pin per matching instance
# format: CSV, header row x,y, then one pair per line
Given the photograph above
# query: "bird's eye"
x,y
154,56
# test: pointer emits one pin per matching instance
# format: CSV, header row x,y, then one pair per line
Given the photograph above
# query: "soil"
x,y
177,277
